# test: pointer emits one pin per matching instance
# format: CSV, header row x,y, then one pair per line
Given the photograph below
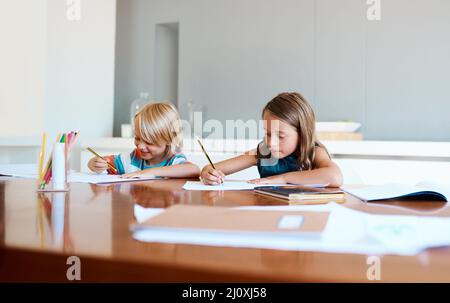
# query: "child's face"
x,y
281,138
147,150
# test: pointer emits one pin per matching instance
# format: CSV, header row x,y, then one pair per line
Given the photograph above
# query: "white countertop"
x,y
342,149
364,148
25,141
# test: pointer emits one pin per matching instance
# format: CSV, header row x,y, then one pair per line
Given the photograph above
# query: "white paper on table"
x,y
233,185
92,178
28,171
404,232
400,234
347,231
142,214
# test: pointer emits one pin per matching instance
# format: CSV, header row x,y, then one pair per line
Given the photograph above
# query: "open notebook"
x,y
425,190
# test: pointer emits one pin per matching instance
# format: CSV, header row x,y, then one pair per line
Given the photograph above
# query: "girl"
x,y
290,152
158,140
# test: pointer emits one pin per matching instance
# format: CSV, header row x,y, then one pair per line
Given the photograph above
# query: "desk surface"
x,y
38,233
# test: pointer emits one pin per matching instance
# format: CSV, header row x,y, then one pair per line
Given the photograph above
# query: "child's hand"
x,y
136,174
270,180
211,176
97,165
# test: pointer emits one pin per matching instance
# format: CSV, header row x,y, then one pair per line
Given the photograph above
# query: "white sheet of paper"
x,y
29,171
92,178
404,232
233,185
142,214
347,231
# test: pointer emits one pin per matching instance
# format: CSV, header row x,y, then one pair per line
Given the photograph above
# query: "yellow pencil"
x,y
206,154
42,155
97,155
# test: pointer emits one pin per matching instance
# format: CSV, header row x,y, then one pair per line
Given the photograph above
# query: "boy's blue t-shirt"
x,y
131,162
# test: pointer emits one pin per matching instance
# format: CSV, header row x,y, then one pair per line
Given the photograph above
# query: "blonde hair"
x,y
295,110
159,123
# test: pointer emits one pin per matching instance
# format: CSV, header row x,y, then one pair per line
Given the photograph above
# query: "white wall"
x,y
22,65
80,68
166,63
56,74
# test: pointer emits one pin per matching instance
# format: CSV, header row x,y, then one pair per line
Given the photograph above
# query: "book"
x,y
231,221
303,194
425,190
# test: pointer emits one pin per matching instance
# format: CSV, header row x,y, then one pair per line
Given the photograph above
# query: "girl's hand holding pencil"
x,y
211,176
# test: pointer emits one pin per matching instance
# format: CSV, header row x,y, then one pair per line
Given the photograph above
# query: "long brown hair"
x,y
295,110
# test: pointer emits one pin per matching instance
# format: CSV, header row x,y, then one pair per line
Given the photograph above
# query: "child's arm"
x,y
216,176
326,172
183,170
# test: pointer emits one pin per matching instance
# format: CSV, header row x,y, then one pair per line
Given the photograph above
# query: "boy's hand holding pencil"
x,y
98,164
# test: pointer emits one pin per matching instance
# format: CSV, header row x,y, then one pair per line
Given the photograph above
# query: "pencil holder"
x,y
57,174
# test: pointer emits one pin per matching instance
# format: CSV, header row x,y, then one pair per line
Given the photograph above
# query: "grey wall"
x,y
234,55
166,62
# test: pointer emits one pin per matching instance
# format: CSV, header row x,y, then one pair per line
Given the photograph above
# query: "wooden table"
x,y
38,233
